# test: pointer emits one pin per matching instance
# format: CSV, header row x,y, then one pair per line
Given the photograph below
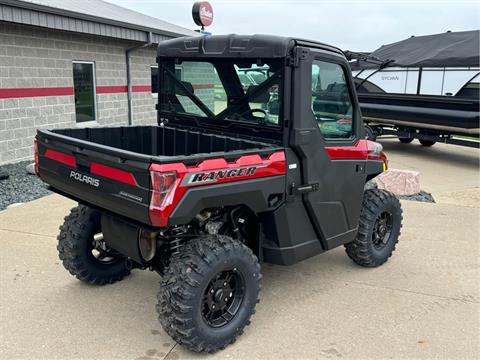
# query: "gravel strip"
x,y
20,186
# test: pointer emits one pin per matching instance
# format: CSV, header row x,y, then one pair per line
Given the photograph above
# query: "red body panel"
x,y
61,157
274,165
359,151
113,173
95,168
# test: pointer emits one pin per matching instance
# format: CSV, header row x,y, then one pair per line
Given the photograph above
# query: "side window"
x,y
84,86
331,102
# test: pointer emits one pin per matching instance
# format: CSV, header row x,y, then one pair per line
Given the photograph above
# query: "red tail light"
x,y
35,155
162,184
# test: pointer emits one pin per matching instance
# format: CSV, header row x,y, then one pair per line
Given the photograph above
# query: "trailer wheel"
x,y
84,253
427,143
405,140
370,134
209,293
379,229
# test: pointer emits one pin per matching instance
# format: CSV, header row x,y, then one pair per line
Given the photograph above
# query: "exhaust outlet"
x,y
147,244
98,237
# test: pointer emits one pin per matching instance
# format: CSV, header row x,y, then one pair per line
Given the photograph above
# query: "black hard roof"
x,y
236,46
450,49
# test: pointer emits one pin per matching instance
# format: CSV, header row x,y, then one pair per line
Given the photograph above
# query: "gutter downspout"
x,y
129,75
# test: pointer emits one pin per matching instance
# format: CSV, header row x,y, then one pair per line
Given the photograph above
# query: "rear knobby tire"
x,y
75,246
370,248
184,302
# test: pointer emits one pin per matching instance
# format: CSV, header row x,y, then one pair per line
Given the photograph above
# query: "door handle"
x,y
360,168
303,189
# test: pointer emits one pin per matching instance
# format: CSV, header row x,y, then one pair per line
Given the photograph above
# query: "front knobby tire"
x,y
209,293
378,230
76,249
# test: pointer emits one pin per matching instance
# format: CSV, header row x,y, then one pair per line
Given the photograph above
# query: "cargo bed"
x,y
109,167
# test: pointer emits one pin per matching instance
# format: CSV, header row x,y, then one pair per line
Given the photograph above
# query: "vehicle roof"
x,y
238,46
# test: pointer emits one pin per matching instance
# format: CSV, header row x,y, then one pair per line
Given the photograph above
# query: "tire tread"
x,y
75,226
360,250
182,280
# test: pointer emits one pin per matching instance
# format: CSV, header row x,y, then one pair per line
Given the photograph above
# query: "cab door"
x,y
326,135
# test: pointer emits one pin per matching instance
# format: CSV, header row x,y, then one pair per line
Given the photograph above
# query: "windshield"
x,y
222,90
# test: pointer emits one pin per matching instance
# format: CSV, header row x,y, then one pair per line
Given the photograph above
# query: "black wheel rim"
x,y
223,297
382,230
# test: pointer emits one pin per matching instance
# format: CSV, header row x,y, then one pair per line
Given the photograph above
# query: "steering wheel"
x,y
251,111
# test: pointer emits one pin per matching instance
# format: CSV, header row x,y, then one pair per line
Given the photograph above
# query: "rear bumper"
x,y
83,193
117,185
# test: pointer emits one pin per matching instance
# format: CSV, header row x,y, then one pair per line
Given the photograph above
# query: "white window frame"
x,y
94,122
154,95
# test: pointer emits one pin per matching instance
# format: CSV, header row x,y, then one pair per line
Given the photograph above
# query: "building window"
x,y
154,75
84,86
331,102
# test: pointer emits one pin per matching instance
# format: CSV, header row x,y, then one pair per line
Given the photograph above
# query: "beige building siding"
x,y
144,112
36,58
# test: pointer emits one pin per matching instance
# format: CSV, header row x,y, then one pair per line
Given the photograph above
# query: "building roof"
x,y
90,16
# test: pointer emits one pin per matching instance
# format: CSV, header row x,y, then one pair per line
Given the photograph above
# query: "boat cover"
x,y
450,49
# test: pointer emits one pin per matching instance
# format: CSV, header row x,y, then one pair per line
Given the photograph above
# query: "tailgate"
x,y
101,176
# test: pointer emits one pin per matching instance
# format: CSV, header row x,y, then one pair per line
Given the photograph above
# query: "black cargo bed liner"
x,y
158,143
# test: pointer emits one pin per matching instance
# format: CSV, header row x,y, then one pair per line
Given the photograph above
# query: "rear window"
x,y
225,91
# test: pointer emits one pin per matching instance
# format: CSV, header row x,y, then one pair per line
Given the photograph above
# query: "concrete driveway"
x,y
423,303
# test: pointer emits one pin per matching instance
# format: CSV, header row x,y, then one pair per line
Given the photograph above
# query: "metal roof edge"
x,y
97,19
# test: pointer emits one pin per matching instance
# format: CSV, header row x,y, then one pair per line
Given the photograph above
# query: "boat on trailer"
x,y
424,87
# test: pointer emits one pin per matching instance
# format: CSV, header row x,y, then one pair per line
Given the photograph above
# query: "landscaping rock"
x,y
3,175
30,168
370,185
399,182
20,187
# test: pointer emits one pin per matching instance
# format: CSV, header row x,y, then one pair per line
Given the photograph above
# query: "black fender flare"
x,y
374,168
259,195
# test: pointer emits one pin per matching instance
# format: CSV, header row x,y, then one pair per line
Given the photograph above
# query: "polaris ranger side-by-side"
x,y
223,182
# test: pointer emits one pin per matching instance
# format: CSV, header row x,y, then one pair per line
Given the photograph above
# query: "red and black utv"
x,y
233,175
